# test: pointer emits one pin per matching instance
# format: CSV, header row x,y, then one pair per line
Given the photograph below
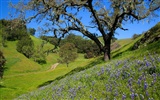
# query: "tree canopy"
x,y
31,31
67,53
84,16
25,46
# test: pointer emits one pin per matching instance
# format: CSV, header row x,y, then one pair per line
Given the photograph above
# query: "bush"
x,y
39,56
25,46
89,55
135,36
2,63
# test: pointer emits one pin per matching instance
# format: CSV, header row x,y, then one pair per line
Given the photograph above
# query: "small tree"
x,y
25,46
2,63
39,55
31,31
67,53
135,36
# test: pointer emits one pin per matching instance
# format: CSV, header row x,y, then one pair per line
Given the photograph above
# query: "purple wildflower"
x,y
139,82
90,96
130,82
132,96
147,94
123,96
102,70
147,63
93,83
145,85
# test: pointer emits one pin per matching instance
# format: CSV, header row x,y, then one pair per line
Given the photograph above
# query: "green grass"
x,y
126,45
103,82
23,75
38,42
17,62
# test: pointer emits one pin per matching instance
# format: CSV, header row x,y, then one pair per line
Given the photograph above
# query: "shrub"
x,y
39,56
135,36
25,46
2,63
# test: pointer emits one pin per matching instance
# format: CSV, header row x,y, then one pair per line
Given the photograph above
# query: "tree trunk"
x,y
107,48
107,52
67,64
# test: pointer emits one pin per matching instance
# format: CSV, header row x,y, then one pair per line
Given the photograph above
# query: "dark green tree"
x,y
13,29
25,46
105,16
31,31
39,55
2,63
135,36
67,53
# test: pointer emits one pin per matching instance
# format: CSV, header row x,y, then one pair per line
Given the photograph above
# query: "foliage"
x,y
105,17
2,63
91,50
67,53
13,29
21,70
31,31
135,36
39,55
149,37
3,36
86,46
25,46
50,39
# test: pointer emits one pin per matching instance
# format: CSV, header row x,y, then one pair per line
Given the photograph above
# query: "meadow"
x,y
130,75
133,78
23,75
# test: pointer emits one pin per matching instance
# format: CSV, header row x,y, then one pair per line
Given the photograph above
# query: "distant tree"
x,y
25,46
91,49
83,45
39,55
78,41
31,31
50,39
135,36
67,53
13,29
114,39
2,63
3,37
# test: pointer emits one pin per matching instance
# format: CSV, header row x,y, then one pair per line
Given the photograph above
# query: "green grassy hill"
x,y
23,75
132,74
84,78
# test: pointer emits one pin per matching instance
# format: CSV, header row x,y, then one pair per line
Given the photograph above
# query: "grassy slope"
x,y
104,81
23,75
15,84
81,84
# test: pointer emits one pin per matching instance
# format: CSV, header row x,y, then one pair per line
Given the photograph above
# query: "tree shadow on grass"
x,y
1,86
76,70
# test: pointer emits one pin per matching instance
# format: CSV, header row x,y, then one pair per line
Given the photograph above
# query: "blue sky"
x,y
135,27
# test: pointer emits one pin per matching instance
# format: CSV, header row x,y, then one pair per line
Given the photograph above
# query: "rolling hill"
x,y
85,78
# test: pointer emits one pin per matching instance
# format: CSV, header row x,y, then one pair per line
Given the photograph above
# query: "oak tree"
x,y
87,16
67,53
